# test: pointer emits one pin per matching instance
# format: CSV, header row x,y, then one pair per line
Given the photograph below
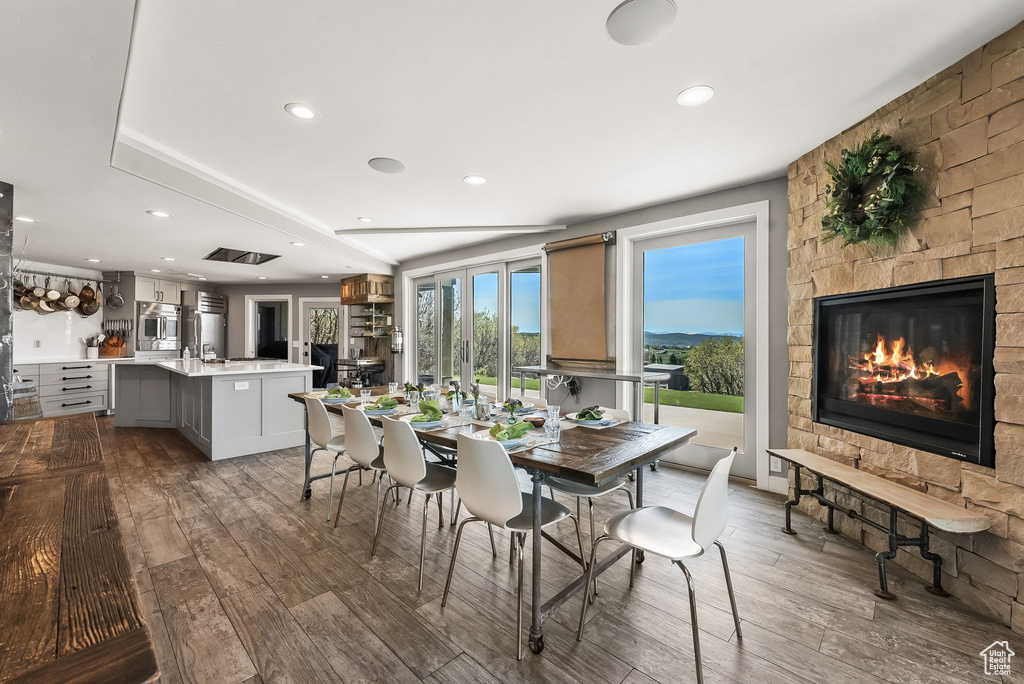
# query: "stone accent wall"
x,y
967,124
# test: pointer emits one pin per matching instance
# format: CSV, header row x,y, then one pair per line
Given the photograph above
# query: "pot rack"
x,y
60,276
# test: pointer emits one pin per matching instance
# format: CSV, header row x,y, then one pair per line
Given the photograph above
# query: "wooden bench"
x,y
926,510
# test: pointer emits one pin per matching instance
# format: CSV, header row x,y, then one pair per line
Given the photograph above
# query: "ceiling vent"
x,y
239,256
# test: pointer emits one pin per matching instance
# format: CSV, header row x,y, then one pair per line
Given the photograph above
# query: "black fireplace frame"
x,y
986,390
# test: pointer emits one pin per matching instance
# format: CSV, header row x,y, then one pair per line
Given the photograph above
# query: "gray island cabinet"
x,y
226,410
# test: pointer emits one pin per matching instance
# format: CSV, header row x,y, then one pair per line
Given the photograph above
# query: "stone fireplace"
x,y
967,125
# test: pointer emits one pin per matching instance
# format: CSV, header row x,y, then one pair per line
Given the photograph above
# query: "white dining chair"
x,y
668,533
407,467
360,444
591,492
489,489
322,436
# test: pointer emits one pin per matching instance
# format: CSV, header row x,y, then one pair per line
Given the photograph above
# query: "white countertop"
x,y
197,369
36,362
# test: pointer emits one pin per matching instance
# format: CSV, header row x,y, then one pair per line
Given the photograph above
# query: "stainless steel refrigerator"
x,y
204,320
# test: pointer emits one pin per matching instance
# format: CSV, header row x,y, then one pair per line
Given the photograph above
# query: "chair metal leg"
x,y
632,568
693,622
590,580
376,506
360,477
451,566
423,538
579,540
490,533
728,584
590,509
511,548
380,519
521,539
458,507
330,495
629,495
440,511
341,500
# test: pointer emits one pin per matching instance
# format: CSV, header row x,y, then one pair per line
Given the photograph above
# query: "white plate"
x,y
508,444
377,412
602,422
424,426
336,400
527,407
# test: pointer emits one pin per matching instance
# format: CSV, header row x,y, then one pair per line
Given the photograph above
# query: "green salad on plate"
x,y
504,432
430,411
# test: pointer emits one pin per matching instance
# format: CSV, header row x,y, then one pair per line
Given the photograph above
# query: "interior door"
x,y
323,339
697,298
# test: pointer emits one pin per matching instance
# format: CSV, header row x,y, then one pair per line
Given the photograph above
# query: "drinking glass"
x,y
392,388
414,401
466,412
554,413
552,430
364,396
483,409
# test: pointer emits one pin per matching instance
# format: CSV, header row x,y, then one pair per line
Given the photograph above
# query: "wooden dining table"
x,y
582,454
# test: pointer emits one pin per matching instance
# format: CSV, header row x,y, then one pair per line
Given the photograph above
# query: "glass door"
x,y
323,325
475,324
697,302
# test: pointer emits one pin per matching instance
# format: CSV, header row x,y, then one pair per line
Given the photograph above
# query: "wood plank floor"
x,y
243,582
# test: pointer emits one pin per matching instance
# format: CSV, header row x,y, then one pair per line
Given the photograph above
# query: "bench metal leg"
x,y
788,529
936,559
883,583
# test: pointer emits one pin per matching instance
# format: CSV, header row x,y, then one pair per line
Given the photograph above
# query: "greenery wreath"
x,y
875,194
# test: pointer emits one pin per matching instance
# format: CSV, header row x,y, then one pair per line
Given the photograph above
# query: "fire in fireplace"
x,y
912,365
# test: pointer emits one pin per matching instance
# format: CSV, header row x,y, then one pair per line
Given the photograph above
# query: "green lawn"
x,y
531,383
698,400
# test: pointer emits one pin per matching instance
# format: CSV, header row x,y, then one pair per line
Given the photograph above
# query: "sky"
x,y
525,298
695,288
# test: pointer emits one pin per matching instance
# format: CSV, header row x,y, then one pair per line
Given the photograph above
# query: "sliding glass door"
x,y
698,304
475,324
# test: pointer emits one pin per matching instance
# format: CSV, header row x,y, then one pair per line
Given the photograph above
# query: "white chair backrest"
x,y
402,455
616,414
539,402
360,439
486,481
320,430
712,510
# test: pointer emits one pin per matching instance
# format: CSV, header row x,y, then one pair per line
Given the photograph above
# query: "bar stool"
x,y
676,536
487,485
360,443
407,467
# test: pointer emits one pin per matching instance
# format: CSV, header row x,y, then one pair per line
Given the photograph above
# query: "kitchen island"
x,y
225,409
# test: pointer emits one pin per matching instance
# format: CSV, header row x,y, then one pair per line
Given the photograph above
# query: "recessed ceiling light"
x,y
325,276
474,180
24,219
638,22
364,219
696,95
386,165
261,277
298,244
154,270
95,261
300,110
200,277
168,258
158,213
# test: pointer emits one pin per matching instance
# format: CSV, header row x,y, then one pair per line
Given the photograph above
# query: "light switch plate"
x,y
295,344
239,386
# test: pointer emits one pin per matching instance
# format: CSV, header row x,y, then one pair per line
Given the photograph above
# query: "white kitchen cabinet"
x,y
157,290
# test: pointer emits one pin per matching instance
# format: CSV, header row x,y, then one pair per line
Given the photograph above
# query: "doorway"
x,y
268,326
697,303
322,336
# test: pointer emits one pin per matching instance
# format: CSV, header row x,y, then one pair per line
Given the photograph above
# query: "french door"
x,y
322,329
463,330
698,302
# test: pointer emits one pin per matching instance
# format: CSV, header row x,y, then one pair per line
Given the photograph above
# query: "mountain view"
x,y
680,339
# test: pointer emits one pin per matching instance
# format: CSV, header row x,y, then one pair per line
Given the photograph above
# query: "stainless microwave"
x,y
158,327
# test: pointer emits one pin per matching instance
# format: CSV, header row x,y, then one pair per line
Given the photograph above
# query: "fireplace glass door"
x,y
912,365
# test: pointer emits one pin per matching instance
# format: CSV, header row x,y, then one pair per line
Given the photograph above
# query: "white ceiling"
x,y
564,123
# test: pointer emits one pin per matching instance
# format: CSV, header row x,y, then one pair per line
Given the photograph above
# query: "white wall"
x,y
603,392
57,334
